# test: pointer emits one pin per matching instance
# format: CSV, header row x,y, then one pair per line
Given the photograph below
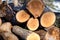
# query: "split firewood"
x,y
8,36
42,34
6,27
0,21
33,24
53,34
36,7
22,16
48,19
25,34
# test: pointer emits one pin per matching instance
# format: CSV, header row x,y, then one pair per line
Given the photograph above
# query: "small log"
x,y
33,24
6,27
48,19
8,36
53,34
36,7
22,16
0,21
25,34
42,34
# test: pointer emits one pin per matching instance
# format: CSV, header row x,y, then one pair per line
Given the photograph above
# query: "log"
x,y
35,7
25,34
8,36
33,24
0,21
6,27
48,19
22,16
53,34
42,34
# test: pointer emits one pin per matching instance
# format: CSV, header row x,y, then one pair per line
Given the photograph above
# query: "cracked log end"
x,y
22,16
33,36
33,24
36,7
48,19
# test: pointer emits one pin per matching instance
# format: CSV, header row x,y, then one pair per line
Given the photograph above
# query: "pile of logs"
x,y
27,23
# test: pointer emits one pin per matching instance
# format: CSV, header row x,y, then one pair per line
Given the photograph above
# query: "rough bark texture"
x,y
21,32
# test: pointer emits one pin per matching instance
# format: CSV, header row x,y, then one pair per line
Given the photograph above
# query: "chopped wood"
x,y
25,34
48,19
22,16
33,24
35,7
8,36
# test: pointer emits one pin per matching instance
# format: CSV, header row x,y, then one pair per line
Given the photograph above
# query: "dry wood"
x,y
33,24
53,34
25,34
22,16
42,34
6,27
48,19
0,21
36,7
8,36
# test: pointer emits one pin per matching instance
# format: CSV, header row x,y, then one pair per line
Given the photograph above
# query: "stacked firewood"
x,y
31,23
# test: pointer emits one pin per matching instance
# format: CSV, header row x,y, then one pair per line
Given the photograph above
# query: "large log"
x,y
33,24
35,7
22,16
48,19
25,34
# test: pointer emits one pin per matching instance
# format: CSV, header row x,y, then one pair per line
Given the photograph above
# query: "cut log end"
x,y
33,36
6,27
36,7
33,24
48,19
0,22
53,34
22,16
